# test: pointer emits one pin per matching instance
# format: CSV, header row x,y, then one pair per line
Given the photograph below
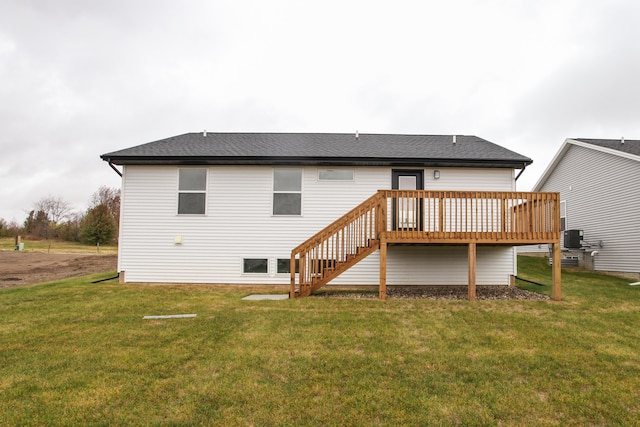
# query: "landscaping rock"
x,y
439,293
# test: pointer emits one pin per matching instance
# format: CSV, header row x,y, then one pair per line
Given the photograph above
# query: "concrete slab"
x,y
264,297
171,316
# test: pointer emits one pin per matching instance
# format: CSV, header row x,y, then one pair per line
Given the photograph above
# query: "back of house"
x,y
228,208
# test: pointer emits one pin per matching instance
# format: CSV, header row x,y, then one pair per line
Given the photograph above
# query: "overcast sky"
x,y
79,78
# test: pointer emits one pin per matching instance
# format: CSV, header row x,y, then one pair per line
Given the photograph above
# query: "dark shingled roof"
x,y
630,146
320,149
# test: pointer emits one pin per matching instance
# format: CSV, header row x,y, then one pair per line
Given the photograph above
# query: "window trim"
x,y
274,191
563,203
205,192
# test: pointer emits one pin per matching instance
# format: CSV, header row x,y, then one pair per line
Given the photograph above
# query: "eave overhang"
x,y
316,161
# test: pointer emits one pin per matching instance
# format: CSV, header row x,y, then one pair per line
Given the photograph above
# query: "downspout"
x,y
521,170
120,173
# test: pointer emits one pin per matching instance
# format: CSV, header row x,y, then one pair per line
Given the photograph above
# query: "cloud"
x,y
84,78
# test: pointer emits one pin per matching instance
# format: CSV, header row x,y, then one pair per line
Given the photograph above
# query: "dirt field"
x,y
24,268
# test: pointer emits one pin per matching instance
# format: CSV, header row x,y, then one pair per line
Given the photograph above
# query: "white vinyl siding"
x,y
470,179
433,265
240,224
601,191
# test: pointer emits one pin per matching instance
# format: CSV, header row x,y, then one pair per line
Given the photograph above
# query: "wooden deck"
x,y
422,217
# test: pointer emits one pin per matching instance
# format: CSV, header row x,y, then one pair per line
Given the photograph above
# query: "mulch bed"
x,y
437,293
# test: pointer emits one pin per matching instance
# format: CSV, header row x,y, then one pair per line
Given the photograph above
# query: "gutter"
x,y
310,161
524,166
115,169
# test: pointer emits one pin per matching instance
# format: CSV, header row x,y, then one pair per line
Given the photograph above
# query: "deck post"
x,y
472,271
383,270
292,271
556,289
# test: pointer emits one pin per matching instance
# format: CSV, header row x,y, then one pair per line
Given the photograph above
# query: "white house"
x,y
599,181
229,208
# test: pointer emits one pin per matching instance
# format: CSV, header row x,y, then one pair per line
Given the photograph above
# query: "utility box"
x,y
573,239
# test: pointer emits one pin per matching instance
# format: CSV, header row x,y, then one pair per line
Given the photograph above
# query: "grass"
x,y
79,353
57,246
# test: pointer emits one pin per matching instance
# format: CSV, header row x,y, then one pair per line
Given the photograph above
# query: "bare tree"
x,y
70,229
55,208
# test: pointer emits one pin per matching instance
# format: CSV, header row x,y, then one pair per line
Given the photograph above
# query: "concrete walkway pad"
x,y
259,297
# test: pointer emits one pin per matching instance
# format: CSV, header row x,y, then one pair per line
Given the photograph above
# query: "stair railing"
x,y
337,247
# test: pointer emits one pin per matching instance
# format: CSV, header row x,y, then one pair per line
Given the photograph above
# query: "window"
x,y
255,265
284,265
192,190
563,215
335,174
287,192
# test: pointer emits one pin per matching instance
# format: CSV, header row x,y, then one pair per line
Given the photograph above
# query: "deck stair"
x,y
338,247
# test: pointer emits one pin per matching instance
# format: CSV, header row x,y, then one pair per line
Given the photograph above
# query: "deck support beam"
x,y
472,271
292,272
556,289
383,270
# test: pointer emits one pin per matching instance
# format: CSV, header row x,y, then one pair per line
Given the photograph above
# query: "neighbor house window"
x,y
284,265
563,215
192,191
335,174
287,192
255,265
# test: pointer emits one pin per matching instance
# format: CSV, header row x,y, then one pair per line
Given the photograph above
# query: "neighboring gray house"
x,y
599,185
231,207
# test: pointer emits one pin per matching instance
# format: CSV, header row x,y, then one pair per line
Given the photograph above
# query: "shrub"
x,y
98,226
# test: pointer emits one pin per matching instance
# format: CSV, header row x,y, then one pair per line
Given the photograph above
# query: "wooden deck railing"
x,y
471,216
423,217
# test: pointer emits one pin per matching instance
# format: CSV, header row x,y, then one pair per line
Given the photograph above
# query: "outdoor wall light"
x,y
436,174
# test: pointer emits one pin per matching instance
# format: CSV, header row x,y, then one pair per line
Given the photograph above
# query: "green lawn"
x,y
56,246
76,353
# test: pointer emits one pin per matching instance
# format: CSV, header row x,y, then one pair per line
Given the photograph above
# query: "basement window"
x,y
192,191
255,265
287,192
284,266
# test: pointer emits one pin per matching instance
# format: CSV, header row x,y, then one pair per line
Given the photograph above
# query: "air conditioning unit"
x,y
573,239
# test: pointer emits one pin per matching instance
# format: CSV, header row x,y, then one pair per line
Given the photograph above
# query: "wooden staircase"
x,y
337,247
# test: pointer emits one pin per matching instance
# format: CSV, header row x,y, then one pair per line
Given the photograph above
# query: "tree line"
x,y
54,218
